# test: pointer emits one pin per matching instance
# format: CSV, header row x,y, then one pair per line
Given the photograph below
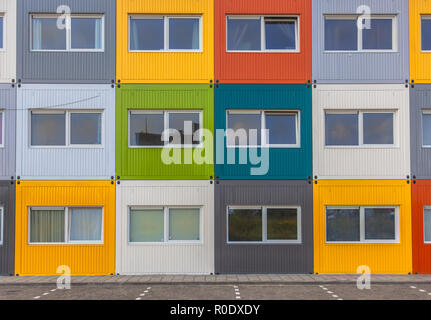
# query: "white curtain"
x,y
134,39
98,34
85,224
37,34
195,37
47,226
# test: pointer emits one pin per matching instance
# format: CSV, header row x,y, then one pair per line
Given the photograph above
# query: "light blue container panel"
x,y
7,130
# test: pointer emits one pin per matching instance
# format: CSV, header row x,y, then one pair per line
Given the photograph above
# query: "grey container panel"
x,y
420,100
360,67
7,152
7,249
263,258
66,67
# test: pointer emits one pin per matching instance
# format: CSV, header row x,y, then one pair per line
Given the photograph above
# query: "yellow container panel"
x,y
83,259
165,67
345,258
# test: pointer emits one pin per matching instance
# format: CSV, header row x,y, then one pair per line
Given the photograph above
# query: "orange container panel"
x,y
82,259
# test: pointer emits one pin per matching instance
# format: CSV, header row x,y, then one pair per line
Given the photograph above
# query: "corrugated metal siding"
x,y
165,67
66,163
263,258
420,100
146,163
7,153
361,162
66,67
263,67
85,259
7,250
284,163
421,197
8,55
346,258
165,258
377,67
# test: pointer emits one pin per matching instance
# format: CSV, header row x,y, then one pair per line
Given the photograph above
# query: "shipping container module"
x,y
7,227
8,26
7,131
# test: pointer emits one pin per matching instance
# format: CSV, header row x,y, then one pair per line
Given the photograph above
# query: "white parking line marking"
x,y
421,290
412,287
53,290
36,297
330,292
335,296
141,295
46,293
138,298
237,293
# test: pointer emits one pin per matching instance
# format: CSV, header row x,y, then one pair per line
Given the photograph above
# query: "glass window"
x,y
342,225
341,34
1,225
183,34
146,34
245,224
146,129
282,224
1,128
86,33
243,34
427,224
379,223
247,122
280,34
379,36
378,128
426,129
85,224
426,33
184,224
282,128
341,129
47,36
179,121
47,226
86,128
146,225
1,32
48,129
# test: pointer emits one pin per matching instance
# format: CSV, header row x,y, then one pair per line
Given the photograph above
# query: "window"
x,y
362,224
264,224
1,225
146,128
359,128
426,128
165,33
426,33
66,225
2,33
1,129
85,33
66,128
427,224
271,33
342,34
263,128
164,225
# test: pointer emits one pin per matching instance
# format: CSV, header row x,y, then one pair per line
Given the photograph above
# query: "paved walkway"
x,y
218,279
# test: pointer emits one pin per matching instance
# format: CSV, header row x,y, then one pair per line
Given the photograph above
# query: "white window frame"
x,y
2,143
423,112
166,126
165,19
69,32
263,49
166,240
362,239
360,44
424,17
67,240
360,114
2,225
68,134
265,225
264,143
3,47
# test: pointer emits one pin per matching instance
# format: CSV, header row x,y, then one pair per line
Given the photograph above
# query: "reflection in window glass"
x,y
427,225
378,128
245,224
247,122
47,36
243,34
341,129
1,128
282,224
280,34
146,225
1,32
282,127
379,224
146,34
86,33
48,129
178,121
426,129
47,226
146,129
341,34
379,36
183,33
86,128
184,224
85,224
426,33
342,225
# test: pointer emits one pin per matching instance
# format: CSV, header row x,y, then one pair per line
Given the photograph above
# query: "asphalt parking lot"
x,y
238,292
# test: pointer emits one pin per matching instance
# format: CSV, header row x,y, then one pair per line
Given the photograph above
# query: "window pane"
x,y
47,226
342,225
48,129
85,224
247,122
378,128
146,129
178,121
146,34
86,33
280,34
86,128
245,224
341,129
146,225
243,34
183,33
184,224
379,36
47,36
379,224
426,129
282,224
427,225
1,128
282,128
1,32
341,34
426,33
1,225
